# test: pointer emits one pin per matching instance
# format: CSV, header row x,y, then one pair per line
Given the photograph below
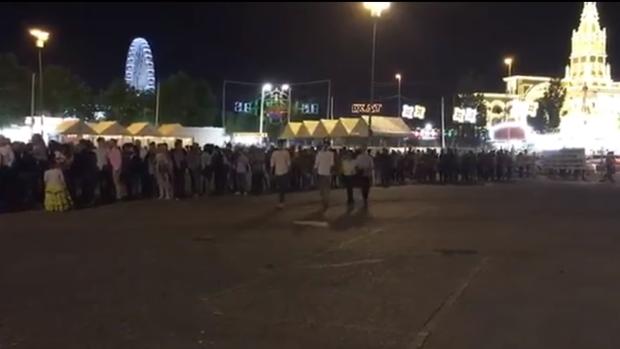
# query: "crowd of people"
x,y
59,176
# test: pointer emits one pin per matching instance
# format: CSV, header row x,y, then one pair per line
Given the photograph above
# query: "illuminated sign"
x,y
407,112
464,115
251,108
367,108
243,107
413,111
309,108
419,112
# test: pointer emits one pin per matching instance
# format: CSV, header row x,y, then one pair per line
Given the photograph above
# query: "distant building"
x,y
592,103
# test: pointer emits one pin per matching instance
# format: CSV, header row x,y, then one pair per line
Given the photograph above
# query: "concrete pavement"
x,y
524,265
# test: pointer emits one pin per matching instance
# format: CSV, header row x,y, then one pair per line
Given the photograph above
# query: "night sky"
x,y
432,44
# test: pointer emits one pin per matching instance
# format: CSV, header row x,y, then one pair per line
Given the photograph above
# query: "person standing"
x,y
207,168
348,174
610,167
115,159
163,172
324,166
103,189
242,168
280,166
194,166
179,163
364,166
57,198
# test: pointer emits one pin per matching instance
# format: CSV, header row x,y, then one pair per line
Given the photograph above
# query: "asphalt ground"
x,y
523,265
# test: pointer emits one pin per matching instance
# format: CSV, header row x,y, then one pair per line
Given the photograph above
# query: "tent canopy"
x,y
325,128
291,130
74,127
170,130
350,127
110,128
307,129
388,126
143,129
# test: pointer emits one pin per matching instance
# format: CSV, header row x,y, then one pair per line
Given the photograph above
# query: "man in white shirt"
x,y
324,166
280,165
364,165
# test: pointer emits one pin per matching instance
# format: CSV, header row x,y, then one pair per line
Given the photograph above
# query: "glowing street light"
x,y
41,38
399,78
508,63
287,88
376,9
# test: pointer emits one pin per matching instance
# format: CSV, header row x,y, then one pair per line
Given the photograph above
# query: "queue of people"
x,y
58,176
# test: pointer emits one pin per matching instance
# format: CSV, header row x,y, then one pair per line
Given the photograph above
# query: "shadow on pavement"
x,y
351,219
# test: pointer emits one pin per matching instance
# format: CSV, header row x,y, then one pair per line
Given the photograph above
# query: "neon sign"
x,y
358,108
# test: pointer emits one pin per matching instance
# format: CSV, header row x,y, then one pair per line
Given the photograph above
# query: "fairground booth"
x,y
348,131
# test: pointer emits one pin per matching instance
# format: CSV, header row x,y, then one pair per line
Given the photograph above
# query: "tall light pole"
x,y
398,78
288,90
508,63
375,8
41,38
266,87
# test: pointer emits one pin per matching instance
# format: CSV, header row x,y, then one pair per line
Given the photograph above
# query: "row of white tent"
x,y
167,133
346,127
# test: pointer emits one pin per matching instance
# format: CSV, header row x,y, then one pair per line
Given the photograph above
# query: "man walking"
x,y
348,174
324,166
364,165
280,165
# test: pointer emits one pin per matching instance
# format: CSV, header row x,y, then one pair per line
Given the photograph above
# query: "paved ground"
x,y
526,265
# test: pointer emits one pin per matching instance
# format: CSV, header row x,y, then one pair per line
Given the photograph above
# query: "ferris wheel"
x,y
139,67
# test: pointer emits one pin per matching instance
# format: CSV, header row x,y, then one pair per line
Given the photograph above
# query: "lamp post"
x,y
266,87
508,63
375,8
287,88
398,78
41,38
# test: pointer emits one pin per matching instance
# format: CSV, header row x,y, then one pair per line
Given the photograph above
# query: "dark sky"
x,y
432,44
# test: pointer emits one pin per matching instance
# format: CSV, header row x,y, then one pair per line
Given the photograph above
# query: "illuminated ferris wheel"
x,y
139,68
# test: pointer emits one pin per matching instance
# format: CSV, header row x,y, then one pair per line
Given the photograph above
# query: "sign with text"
x,y
413,111
464,115
366,108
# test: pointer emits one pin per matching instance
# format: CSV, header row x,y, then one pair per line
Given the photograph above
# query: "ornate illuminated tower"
x,y
588,60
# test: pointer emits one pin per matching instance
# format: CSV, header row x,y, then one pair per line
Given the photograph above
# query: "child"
x,y
57,197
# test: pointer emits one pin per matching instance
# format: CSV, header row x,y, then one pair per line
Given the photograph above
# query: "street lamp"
x,y
508,63
399,78
41,38
287,88
376,9
266,87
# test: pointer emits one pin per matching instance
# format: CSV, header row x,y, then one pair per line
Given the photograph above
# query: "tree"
x,y
548,115
473,134
474,101
66,94
15,87
187,101
123,104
